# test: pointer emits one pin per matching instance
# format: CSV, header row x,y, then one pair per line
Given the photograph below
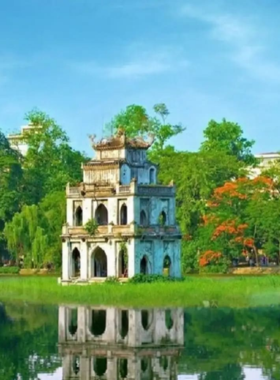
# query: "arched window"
x,y
76,263
143,218
78,216
167,265
162,219
144,265
101,215
99,263
152,175
123,215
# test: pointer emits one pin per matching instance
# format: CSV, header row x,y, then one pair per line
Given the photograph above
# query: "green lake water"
x,y
68,342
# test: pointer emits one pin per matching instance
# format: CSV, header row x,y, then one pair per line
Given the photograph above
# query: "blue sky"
x,y
82,61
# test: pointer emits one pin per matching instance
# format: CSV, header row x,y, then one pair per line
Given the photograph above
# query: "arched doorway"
x,y
123,263
144,265
73,321
167,265
98,322
79,216
122,368
76,365
168,319
124,323
76,263
162,218
143,218
100,366
101,215
146,319
152,176
123,215
99,263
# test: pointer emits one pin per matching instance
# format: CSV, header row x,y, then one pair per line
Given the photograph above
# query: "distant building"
x,y
17,140
111,343
137,230
266,160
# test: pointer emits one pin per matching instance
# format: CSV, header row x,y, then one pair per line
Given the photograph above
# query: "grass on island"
x,y
194,291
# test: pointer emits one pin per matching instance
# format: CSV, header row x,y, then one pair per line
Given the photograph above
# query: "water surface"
x,y
68,342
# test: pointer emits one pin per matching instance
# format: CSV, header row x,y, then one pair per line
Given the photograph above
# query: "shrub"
x,y
112,280
219,268
148,278
9,270
91,227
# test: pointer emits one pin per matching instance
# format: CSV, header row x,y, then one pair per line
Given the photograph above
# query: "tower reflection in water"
x,y
111,343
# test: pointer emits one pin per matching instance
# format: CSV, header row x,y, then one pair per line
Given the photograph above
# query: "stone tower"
x,y
120,221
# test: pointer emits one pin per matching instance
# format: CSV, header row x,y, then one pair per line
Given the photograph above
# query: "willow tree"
x,y
34,233
20,233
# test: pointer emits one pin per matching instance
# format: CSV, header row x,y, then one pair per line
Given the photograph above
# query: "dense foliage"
x,y
32,192
224,214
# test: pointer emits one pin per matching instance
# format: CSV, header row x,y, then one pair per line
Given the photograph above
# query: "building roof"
x,y
268,154
120,140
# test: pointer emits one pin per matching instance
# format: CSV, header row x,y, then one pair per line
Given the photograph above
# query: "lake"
x,y
68,342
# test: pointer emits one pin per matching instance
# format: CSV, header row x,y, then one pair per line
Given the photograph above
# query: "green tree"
x,y
35,231
20,233
50,162
53,211
228,137
10,180
196,176
136,121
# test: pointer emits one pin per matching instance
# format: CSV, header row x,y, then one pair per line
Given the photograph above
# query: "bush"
x,y
148,278
9,270
189,257
112,280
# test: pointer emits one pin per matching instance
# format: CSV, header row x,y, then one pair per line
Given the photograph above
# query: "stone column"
x,y
82,324
111,373
66,366
84,260
62,324
131,257
177,259
110,251
85,368
66,271
87,210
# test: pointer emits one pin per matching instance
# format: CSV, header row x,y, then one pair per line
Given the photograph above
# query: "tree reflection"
x,y
28,338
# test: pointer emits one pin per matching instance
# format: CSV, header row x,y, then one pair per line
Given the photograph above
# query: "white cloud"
x,y
243,38
136,64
